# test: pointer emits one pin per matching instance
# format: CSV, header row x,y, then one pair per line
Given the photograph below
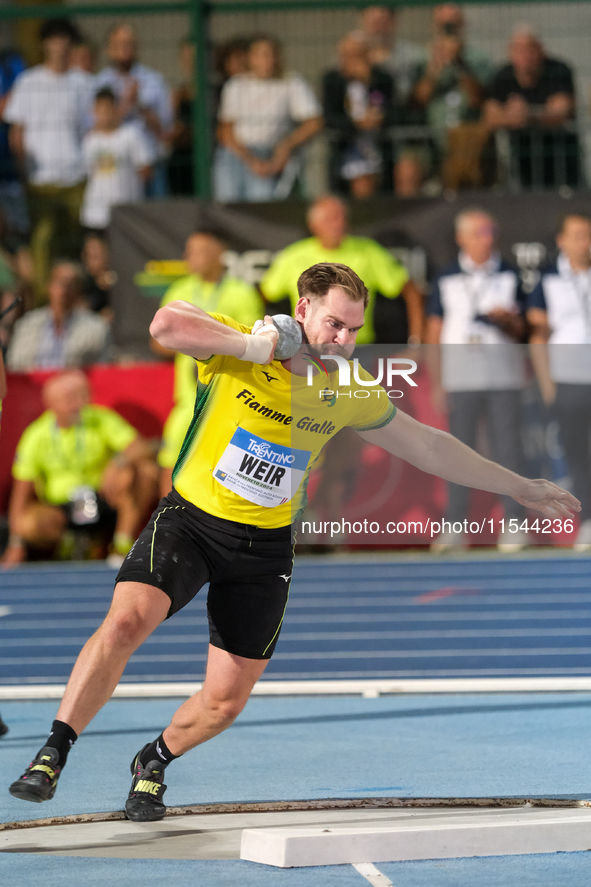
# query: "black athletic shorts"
x,y
248,569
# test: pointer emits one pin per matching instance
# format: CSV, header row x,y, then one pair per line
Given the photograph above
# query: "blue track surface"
x,y
436,618
490,745
557,870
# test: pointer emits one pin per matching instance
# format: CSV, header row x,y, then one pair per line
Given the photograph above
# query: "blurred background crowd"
x,y
92,126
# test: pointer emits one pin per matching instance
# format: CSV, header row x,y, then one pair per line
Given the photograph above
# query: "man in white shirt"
x,y
143,95
49,111
65,333
476,314
559,310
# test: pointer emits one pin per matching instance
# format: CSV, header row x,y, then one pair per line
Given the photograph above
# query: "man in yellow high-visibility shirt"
x,y
331,242
77,465
381,273
210,288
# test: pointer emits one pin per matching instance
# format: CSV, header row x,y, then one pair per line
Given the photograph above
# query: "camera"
x,y
450,29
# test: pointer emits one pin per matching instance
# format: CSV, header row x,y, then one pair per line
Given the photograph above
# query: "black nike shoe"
x,y
3,728
144,802
39,781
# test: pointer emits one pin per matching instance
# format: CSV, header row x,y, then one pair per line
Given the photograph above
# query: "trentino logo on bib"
x,y
262,472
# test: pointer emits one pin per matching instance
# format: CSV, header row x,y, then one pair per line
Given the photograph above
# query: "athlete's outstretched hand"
x,y
267,329
542,495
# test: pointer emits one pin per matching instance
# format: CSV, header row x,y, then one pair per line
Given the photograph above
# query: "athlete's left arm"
x,y
439,453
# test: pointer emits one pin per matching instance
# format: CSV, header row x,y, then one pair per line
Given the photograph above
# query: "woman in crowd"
x,y
265,116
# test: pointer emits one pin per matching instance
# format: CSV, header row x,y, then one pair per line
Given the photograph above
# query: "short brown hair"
x,y
572,215
278,69
316,281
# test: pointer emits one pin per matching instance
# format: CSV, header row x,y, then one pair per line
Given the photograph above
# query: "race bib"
x,y
262,472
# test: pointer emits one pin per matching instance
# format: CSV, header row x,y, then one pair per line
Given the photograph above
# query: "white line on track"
x,y
297,637
5,611
317,656
390,602
372,874
371,688
576,615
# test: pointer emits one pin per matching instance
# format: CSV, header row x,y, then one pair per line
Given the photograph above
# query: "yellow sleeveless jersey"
x,y
257,430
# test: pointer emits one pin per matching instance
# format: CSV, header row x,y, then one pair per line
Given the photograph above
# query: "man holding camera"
x,y
452,84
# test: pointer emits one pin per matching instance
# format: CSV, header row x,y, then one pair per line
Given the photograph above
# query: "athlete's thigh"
x,y
169,554
229,676
246,610
142,606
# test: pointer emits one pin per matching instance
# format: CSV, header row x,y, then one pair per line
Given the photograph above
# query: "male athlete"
x,y
238,484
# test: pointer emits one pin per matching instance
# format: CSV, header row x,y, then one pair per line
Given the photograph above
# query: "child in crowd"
x,y
118,161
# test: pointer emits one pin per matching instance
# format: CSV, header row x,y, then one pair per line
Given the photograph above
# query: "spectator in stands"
x,y
403,60
49,111
452,84
15,280
451,89
478,302
118,160
64,333
180,161
83,55
143,96
534,98
231,60
384,277
15,254
209,287
358,104
12,196
99,277
3,727
265,117
559,311
78,466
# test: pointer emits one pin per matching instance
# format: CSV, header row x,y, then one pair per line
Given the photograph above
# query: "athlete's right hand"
x,y
268,330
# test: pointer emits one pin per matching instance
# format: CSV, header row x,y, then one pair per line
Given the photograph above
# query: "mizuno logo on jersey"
x,y
258,407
